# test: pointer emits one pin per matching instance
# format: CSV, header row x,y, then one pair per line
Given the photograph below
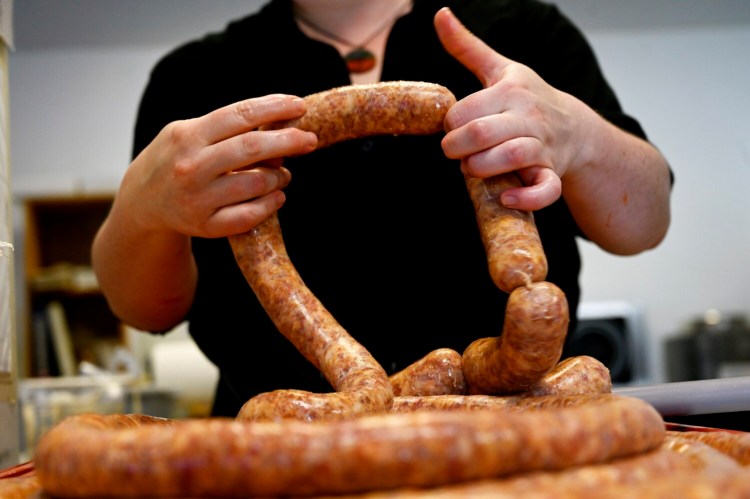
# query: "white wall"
x,y
681,67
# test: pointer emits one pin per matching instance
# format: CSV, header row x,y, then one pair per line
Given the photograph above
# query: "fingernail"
x,y
509,201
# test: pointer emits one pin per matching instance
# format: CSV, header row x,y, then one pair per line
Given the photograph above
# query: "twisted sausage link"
x,y
536,322
437,373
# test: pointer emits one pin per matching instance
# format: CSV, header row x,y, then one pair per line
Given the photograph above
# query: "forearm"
x,y
148,277
618,188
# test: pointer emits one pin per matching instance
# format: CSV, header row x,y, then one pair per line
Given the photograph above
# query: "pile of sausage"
x,y
505,418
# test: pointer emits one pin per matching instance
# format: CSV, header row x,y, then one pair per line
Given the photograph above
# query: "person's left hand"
x,y
518,122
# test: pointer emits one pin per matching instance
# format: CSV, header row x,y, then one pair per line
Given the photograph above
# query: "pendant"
x,y
360,60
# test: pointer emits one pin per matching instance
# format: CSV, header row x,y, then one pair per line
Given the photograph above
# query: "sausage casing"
x,y
230,458
536,323
437,373
361,383
515,255
574,375
363,110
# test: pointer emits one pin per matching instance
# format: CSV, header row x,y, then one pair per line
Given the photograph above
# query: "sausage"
x,y
656,474
334,115
623,477
229,458
702,455
437,373
360,382
574,375
363,110
536,323
19,482
563,386
20,487
440,372
515,255
732,443
680,484
494,402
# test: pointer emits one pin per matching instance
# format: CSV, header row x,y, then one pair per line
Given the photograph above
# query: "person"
x,y
381,229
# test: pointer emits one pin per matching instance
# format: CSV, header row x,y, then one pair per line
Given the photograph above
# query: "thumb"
x,y
468,49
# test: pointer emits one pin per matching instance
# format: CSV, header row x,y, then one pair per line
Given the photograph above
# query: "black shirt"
x,y
381,229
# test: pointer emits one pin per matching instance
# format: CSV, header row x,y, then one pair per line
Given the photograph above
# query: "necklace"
x,y
359,59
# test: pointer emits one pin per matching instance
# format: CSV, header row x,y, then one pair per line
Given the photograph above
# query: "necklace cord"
x,y
340,39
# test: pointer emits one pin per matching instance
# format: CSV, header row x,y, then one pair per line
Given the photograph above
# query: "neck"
x,y
352,20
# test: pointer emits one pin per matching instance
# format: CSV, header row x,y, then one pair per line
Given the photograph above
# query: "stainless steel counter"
x,y
686,398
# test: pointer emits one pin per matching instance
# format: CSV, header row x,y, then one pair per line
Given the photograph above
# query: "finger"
x,y
249,114
468,49
542,188
515,154
241,217
480,133
241,186
240,151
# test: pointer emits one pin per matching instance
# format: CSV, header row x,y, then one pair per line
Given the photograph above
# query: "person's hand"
x,y
218,174
518,122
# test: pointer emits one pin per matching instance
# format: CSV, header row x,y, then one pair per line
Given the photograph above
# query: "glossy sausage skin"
x,y
361,384
573,381
495,402
732,443
664,472
515,255
572,376
437,373
536,323
385,108
20,487
229,458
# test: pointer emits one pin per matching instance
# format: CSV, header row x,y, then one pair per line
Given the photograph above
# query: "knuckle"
x,y
179,133
184,170
256,183
251,146
515,153
245,112
479,132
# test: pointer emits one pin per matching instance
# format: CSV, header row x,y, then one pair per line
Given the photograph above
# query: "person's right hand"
x,y
216,175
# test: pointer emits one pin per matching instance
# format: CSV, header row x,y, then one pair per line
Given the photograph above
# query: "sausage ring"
x,y
361,385
227,458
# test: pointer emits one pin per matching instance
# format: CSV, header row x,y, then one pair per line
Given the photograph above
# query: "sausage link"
x,y
385,108
659,473
574,375
536,322
384,451
361,383
334,115
732,443
437,373
515,255
20,487
516,403
702,455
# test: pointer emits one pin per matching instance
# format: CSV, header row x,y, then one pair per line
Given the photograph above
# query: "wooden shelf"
x,y
59,231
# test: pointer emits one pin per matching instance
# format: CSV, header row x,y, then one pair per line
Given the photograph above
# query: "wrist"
x,y
590,138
